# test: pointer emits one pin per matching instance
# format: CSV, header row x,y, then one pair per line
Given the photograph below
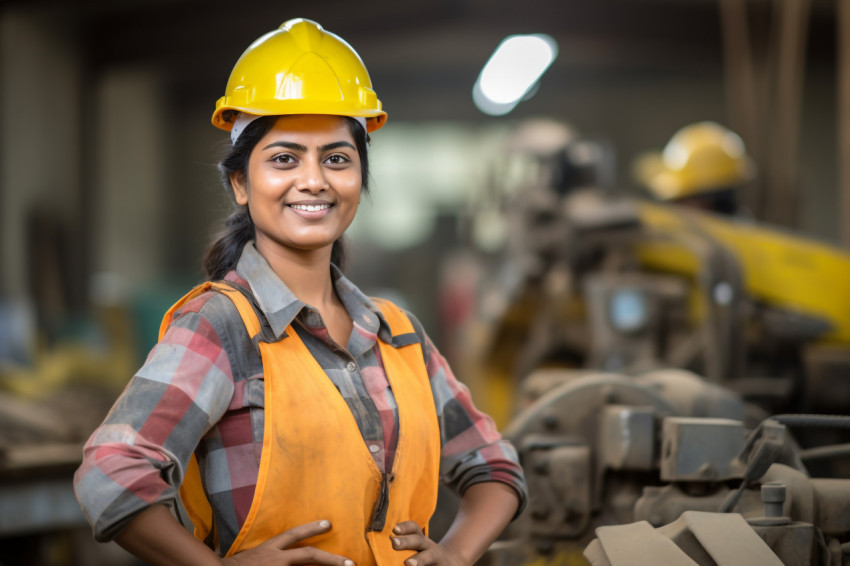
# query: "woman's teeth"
x,y
310,207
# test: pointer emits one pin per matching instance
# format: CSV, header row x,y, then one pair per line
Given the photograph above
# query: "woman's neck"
x,y
306,273
308,276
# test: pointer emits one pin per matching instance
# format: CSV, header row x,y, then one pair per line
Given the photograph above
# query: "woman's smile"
x,y
311,210
318,207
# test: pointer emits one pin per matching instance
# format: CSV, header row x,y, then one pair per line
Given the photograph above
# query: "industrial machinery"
x,y
667,468
634,353
618,284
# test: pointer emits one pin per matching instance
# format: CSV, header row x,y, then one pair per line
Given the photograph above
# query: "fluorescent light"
x,y
513,69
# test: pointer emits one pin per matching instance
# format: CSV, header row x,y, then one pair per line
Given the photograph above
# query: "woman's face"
x,y
303,184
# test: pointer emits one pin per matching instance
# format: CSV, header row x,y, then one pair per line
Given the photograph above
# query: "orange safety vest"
x,y
315,464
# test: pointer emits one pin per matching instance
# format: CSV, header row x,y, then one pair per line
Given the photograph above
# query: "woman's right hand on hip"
x,y
276,551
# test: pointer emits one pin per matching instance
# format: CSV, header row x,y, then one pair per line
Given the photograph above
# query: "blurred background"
x,y
109,192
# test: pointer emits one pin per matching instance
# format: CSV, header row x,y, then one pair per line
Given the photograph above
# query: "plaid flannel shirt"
x,y
201,391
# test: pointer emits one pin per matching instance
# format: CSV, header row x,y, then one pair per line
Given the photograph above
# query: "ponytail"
x,y
223,254
338,253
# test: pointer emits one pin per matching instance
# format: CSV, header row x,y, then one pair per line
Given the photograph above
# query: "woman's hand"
x,y
409,536
485,509
276,551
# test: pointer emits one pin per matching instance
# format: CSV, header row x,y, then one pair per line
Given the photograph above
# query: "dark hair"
x,y
238,230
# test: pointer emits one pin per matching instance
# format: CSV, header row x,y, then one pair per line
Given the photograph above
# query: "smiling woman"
x,y
301,421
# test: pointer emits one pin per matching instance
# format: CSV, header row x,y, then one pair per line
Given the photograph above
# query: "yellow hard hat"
x,y
299,68
699,158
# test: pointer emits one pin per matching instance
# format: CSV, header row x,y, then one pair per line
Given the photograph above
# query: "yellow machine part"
x,y
575,558
780,268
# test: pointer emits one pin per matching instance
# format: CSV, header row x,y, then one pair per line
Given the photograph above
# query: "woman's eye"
x,y
337,159
283,158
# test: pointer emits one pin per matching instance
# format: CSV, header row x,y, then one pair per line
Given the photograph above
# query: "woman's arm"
x,y
137,457
485,511
133,459
156,537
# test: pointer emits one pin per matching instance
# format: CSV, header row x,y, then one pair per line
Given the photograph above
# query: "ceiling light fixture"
x,y
512,71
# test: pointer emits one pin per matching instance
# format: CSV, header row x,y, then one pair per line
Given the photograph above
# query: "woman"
x,y
307,423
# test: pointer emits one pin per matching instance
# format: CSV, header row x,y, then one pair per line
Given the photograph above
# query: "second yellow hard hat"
x,y
701,157
299,68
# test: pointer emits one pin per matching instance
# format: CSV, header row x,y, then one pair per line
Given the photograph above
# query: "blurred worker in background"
x,y
704,165
306,422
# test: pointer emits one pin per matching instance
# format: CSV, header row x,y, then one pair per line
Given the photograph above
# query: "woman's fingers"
x,y
410,542
409,536
299,533
407,528
310,555
277,550
421,559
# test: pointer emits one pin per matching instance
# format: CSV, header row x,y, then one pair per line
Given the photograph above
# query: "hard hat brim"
x,y
225,113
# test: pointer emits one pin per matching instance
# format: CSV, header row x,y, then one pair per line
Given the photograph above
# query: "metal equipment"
x,y
643,348
618,284
666,468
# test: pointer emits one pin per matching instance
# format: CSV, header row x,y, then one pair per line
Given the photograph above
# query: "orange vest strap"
x,y
243,305
396,318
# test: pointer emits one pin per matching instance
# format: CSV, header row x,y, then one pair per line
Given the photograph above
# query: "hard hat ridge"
x,y
306,33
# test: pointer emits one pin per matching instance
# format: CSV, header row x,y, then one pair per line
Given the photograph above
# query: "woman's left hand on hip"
x,y
409,536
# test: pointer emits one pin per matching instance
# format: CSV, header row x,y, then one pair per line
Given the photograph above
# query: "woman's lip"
x,y
310,211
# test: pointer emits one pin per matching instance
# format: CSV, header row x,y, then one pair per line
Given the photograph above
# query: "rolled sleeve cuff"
x,y
496,462
109,506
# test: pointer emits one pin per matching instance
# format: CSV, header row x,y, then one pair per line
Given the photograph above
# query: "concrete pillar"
x,y
39,137
129,207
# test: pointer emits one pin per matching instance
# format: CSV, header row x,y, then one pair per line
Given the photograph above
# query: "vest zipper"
x,y
379,515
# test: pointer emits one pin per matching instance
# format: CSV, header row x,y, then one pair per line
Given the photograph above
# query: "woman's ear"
x,y
240,187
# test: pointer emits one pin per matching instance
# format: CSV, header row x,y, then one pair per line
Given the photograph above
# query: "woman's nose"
x,y
313,178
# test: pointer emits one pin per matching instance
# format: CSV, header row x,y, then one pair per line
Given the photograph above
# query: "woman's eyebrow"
x,y
287,145
302,148
335,145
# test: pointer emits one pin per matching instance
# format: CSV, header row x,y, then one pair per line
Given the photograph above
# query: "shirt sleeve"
x,y
138,455
472,449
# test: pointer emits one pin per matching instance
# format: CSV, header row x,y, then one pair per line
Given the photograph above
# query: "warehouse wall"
x,y
40,89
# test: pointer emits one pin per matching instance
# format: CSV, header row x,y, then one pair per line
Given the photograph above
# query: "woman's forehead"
x,y
311,124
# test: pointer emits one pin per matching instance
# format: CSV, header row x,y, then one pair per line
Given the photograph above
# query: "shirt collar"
x,y
281,306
